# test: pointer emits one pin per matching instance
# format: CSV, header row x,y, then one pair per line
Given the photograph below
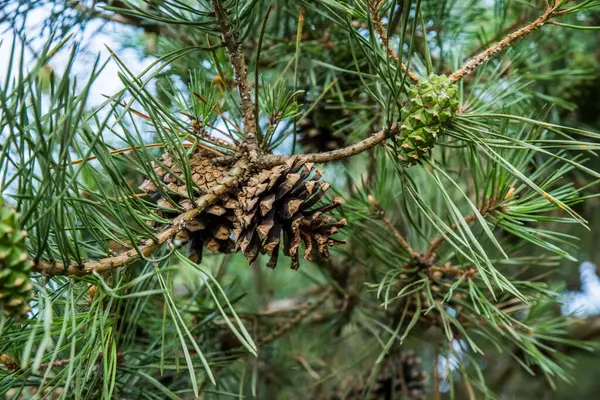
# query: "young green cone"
x,y
431,106
15,265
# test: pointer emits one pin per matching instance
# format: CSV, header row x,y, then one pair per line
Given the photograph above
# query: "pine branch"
x,y
66,361
485,55
399,237
375,5
179,223
586,329
335,155
510,28
467,68
236,58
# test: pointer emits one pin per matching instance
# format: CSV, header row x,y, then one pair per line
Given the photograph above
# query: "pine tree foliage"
x,y
418,154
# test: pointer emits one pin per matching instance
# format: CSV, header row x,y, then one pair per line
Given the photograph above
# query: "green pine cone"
x,y
431,106
15,265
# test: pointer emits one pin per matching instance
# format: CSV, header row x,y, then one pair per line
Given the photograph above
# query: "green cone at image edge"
x,y
15,265
431,106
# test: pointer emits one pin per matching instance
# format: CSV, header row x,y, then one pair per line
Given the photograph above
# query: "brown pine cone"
x,y
281,201
213,227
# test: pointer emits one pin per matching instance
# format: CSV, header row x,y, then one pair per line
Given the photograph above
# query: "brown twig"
x,y
450,270
510,28
470,390
339,154
238,62
375,5
586,329
485,55
380,212
291,304
254,159
179,223
302,361
12,365
67,361
434,244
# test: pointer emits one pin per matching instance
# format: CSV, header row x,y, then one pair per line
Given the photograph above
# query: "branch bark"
x,y
272,160
297,319
485,55
238,62
510,28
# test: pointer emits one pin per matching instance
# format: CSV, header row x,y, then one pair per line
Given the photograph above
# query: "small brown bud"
x,y
372,201
8,362
92,292
510,193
